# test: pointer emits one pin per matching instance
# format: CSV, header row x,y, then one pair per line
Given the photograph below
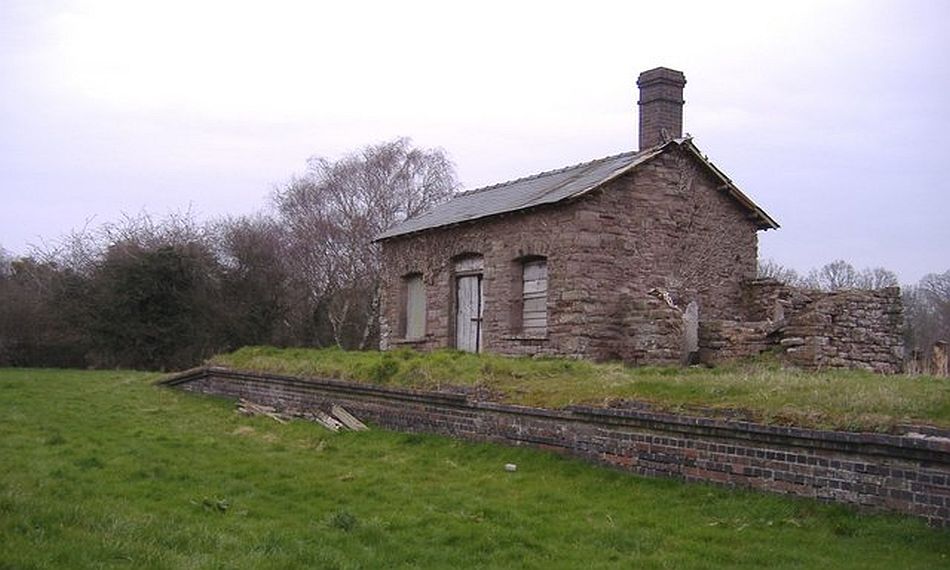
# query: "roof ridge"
x,y
544,173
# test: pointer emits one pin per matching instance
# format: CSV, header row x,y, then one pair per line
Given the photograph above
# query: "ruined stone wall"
x,y
667,225
848,329
812,329
722,341
770,299
908,473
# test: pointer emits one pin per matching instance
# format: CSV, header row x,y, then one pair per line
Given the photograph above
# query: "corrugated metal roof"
x,y
544,188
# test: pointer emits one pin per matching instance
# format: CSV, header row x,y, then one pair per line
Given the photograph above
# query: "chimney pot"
x,y
661,106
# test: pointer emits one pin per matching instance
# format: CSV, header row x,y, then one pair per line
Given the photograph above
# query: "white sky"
x,y
829,114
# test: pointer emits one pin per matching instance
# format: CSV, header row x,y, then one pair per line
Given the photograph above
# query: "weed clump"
x,y
343,520
213,505
384,370
55,439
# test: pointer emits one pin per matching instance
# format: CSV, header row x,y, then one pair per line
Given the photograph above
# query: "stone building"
x,y
622,257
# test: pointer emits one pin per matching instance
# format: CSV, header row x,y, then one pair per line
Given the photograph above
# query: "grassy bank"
x,y
759,390
102,469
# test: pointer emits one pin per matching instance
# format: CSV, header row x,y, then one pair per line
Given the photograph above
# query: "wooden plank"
x,y
325,420
535,270
347,419
536,286
536,305
252,409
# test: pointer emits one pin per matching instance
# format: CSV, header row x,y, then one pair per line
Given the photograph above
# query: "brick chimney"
x,y
661,106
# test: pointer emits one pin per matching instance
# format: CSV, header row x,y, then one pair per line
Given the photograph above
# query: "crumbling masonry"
x,y
812,329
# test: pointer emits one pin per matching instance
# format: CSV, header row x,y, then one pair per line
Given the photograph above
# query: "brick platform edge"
x,y
908,473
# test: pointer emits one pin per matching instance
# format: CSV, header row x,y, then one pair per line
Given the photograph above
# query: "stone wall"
x,y
666,225
651,331
908,473
722,341
812,329
848,329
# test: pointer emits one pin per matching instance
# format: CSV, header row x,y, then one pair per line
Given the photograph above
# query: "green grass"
x,y
105,470
759,390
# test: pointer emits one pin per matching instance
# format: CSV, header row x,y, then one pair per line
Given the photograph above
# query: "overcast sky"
x,y
830,115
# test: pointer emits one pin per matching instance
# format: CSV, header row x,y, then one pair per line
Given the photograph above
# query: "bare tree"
x,y
830,277
937,288
876,278
838,274
39,306
6,263
770,269
927,313
254,281
331,215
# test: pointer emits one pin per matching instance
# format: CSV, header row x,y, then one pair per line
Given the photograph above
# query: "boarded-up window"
x,y
534,312
415,307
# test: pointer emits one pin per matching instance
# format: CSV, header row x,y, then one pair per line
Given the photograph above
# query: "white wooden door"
x,y
468,314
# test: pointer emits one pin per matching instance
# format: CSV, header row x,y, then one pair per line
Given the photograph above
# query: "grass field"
x,y
103,470
761,390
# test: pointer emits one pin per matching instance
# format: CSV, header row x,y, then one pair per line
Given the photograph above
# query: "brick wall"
x,y
907,473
